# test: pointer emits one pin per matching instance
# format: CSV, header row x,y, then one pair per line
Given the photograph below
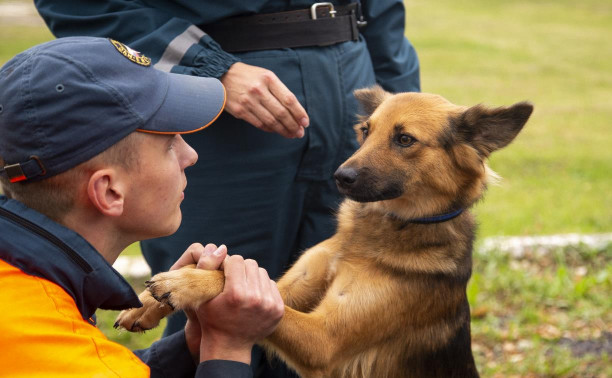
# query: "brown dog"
x,y
385,296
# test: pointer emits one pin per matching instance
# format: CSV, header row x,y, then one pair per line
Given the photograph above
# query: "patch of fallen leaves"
x,y
563,332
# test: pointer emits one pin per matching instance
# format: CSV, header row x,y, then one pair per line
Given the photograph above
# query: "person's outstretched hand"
x,y
257,96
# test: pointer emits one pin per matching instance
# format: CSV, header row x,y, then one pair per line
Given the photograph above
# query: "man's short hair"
x,y
55,196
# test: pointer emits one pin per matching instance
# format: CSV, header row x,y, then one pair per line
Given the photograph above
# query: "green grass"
x,y
20,31
557,174
106,319
554,53
15,38
524,310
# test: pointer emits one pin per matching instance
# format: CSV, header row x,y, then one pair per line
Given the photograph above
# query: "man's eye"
x,y
405,140
364,132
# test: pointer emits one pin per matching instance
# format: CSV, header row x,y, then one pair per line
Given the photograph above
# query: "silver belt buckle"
x,y
313,9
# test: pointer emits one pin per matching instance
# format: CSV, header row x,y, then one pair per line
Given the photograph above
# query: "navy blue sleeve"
x,y
395,61
169,357
224,369
173,43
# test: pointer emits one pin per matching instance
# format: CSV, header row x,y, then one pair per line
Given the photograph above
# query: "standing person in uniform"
x,y
264,185
91,160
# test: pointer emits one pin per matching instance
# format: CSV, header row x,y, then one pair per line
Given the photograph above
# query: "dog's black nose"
x,y
345,176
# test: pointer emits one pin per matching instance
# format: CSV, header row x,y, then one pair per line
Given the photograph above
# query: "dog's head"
x,y
421,154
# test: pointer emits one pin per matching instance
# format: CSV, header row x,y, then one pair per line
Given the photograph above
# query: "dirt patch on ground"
x,y
598,346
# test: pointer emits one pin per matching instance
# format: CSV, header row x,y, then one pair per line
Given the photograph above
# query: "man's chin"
x,y
172,228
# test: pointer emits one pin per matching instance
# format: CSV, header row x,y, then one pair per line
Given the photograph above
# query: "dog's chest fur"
x,y
408,278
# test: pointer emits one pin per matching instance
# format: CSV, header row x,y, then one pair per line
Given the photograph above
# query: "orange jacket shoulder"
x,y
43,334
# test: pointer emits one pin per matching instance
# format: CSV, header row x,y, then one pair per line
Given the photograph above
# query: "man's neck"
x,y
101,235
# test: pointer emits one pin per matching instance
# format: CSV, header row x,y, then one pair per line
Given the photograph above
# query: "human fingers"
x,y
254,289
264,111
278,300
192,255
213,259
268,121
274,304
239,82
244,113
249,96
284,107
288,100
235,278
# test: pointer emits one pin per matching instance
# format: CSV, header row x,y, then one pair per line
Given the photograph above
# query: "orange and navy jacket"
x,y
51,283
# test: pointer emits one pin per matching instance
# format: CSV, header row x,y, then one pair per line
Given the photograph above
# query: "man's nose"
x,y
188,155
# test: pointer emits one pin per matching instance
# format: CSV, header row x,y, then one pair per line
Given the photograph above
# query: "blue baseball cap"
x,y
65,101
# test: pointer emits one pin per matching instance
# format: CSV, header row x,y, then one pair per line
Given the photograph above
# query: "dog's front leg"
x,y
143,318
304,342
303,285
181,289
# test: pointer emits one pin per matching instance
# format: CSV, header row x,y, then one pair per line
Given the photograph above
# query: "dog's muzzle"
x,y
361,186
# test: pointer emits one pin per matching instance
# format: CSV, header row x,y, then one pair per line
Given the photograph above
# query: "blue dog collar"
x,y
437,218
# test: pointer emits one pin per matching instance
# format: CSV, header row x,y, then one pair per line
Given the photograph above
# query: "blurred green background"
x,y
556,54
529,313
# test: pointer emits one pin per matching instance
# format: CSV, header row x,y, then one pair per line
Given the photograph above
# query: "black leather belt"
x,y
321,25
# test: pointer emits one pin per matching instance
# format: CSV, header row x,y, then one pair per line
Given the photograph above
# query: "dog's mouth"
x,y
366,194
362,186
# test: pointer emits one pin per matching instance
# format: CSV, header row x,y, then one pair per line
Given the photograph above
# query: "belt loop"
x,y
361,22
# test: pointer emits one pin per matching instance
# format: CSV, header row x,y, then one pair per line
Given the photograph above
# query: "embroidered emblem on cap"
x,y
131,54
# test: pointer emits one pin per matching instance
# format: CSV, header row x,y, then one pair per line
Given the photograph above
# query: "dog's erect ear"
x,y
488,129
371,98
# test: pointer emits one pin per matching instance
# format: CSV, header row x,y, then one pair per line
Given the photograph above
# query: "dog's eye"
x,y
364,132
405,140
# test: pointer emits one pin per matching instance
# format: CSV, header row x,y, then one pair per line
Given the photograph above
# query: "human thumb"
x,y
212,260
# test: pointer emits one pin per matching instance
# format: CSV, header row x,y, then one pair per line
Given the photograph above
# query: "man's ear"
x,y
106,192
488,129
371,98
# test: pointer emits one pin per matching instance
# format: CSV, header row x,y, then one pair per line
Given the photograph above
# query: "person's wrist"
x,y
216,346
193,338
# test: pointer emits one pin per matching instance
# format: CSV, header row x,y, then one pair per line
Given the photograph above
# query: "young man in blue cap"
x,y
92,160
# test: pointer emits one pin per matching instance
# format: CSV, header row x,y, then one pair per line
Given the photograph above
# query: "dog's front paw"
x,y
145,317
163,285
185,288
